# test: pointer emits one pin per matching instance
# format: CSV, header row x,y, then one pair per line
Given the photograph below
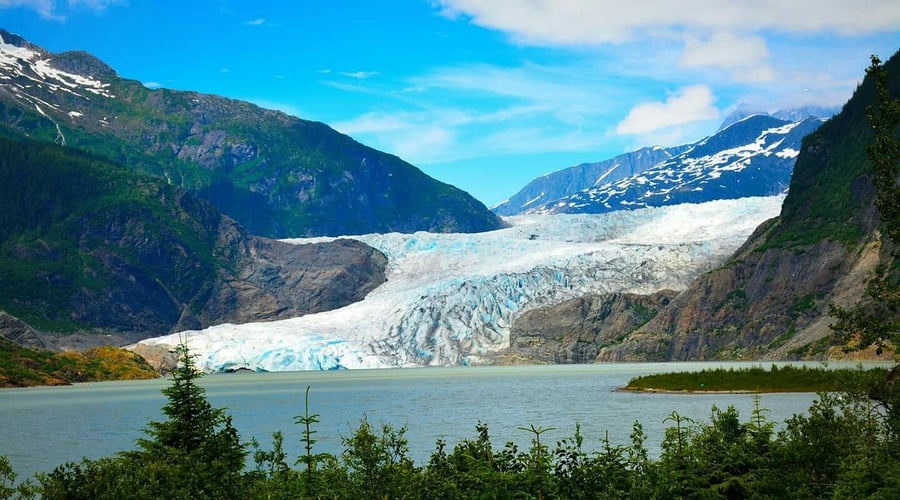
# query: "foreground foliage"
x,y
20,366
751,379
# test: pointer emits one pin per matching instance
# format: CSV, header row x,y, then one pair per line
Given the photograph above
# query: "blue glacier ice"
x,y
450,299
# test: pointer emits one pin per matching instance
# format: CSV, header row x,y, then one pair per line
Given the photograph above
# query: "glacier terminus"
x,y
450,299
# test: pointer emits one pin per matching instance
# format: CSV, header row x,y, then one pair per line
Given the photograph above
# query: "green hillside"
x,y
84,242
275,174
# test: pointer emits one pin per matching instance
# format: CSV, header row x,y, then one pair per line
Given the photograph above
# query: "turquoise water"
x,y
45,426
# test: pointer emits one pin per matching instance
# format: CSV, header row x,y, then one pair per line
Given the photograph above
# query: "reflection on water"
x,y
46,426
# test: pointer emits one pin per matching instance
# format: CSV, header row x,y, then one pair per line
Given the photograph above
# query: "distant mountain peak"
x,y
743,111
561,183
69,72
753,156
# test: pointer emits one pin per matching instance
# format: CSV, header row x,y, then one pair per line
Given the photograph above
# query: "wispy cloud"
x,y
360,75
495,111
44,8
152,85
97,5
255,22
58,10
704,28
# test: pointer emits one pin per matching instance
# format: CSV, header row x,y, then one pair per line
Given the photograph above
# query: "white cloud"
x,y
567,22
152,85
256,22
746,57
688,105
708,30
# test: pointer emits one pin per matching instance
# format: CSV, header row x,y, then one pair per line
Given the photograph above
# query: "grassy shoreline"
x,y
23,367
753,379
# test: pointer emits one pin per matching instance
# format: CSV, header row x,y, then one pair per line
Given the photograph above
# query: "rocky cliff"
x,y
575,330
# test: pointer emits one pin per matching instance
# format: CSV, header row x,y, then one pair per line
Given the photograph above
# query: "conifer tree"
x,y
192,419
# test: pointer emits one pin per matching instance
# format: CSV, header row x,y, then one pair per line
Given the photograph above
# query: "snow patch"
x,y
787,153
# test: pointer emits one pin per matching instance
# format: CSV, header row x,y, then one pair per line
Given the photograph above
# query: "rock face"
x,y
277,280
277,175
574,331
749,309
19,332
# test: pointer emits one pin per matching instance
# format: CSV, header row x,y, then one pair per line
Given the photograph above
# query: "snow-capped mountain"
x,y
568,181
752,157
451,298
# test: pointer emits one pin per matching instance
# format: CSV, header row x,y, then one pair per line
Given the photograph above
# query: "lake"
x,y
43,427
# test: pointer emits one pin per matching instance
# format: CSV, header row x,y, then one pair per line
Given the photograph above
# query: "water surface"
x,y
43,427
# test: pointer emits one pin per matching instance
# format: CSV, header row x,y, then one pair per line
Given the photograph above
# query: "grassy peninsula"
x,y
755,379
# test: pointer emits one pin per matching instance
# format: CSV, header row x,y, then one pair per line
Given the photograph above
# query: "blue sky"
x,y
486,94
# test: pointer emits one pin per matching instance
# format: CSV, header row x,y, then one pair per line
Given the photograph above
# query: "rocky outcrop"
x,y
18,331
278,280
576,330
750,308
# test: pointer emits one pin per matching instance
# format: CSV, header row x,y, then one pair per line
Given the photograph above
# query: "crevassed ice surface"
x,y
451,298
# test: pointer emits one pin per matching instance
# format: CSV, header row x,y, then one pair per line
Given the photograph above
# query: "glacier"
x,y
450,299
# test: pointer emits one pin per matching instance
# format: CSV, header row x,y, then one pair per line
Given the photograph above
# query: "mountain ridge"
x,y
751,157
677,173
556,185
88,248
276,174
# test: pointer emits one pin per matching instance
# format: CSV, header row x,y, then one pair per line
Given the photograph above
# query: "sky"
x,y
486,94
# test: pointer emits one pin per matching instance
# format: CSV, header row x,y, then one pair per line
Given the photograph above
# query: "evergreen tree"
x,y
192,422
197,439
